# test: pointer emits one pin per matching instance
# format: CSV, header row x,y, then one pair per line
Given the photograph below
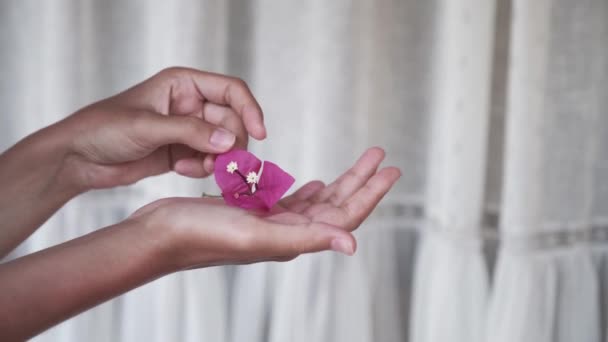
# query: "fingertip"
x,y
370,159
342,246
345,244
262,134
394,171
193,168
181,167
258,131
209,163
316,183
311,187
254,121
378,151
339,239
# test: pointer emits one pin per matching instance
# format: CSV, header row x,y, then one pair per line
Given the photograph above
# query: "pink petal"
x,y
273,184
231,183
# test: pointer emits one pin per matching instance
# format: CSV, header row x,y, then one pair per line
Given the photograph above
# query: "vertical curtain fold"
x,y
450,252
546,285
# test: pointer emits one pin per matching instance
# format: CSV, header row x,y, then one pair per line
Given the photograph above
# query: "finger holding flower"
x,y
179,119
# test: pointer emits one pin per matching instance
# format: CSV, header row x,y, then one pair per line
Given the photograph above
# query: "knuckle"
x,y
239,83
171,71
235,85
352,174
171,75
157,208
354,213
350,209
335,198
139,123
318,197
372,189
194,126
324,195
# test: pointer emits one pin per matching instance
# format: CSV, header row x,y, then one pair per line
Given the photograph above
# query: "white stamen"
x,y
232,166
252,177
260,173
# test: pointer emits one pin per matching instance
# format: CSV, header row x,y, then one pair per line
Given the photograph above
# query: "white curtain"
x,y
496,111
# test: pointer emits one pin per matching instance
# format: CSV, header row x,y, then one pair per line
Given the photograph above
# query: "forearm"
x,y
42,289
34,184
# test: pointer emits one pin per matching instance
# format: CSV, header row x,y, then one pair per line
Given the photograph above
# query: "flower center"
x,y
252,178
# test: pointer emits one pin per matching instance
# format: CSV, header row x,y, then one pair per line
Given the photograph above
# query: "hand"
x,y
205,232
180,233
178,119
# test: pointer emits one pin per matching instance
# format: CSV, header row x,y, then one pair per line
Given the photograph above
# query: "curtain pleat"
x,y
547,285
449,252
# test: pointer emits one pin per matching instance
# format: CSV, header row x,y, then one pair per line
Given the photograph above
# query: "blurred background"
x,y
495,110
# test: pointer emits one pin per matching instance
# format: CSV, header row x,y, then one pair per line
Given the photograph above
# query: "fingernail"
x,y
182,168
342,246
209,165
222,138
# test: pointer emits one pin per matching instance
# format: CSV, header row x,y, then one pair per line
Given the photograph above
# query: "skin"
x,y
165,123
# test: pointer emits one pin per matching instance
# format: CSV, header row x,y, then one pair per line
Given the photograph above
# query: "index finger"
x,y
234,92
363,201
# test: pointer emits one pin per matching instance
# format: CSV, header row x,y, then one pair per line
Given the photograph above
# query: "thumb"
x,y
292,238
155,130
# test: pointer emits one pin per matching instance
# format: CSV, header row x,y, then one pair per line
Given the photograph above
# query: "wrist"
x,y
154,244
34,185
176,245
163,239
55,145
36,167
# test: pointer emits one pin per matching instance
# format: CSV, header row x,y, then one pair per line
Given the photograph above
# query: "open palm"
x,y
343,204
314,218
347,201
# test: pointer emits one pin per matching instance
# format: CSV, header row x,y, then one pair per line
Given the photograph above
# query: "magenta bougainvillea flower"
x,y
249,183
